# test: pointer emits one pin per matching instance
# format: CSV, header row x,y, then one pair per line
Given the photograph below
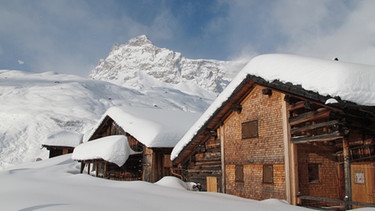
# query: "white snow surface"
x,y
64,138
36,105
56,184
351,82
153,127
114,149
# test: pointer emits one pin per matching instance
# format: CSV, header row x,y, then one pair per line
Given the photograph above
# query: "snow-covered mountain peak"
x,y
139,41
139,63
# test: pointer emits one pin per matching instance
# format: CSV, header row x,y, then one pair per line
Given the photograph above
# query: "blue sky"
x,y
70,36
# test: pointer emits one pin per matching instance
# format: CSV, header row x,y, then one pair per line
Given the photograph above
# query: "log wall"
x,y
205,163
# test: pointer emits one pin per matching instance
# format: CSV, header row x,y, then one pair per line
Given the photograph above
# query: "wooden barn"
x,y
288,127
62,142
151,134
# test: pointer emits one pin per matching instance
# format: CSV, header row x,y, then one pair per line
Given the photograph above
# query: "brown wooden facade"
x,y
58,150
151,164
280,141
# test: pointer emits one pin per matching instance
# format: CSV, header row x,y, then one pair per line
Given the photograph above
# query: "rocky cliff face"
x,y
140,64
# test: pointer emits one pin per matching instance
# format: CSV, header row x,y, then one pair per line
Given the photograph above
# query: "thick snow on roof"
x,y
63,138
152,127
351,82
114,149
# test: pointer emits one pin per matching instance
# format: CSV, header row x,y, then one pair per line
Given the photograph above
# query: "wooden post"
x,y
290,158
105,169
96,169
222,140
82,166
347,173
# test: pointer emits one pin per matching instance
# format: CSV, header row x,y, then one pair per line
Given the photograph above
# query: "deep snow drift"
x,y
55,184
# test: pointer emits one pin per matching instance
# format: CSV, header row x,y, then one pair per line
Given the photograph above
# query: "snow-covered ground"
x,y
56,184
35,105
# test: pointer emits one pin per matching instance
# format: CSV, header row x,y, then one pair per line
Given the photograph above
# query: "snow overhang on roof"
x,y
64,139
114,149
347,81
153,127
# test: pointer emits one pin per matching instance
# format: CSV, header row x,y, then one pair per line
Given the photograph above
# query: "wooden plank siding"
x,y
315,134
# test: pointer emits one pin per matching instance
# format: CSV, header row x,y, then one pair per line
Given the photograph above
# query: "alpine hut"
x,y
62,142
288,127
150,133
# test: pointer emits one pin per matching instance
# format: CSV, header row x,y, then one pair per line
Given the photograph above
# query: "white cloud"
x,y
71,36
20,62
318,28
353,40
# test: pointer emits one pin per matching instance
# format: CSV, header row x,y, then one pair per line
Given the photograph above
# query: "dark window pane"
x,y
239,175
313,171
267,173
250,129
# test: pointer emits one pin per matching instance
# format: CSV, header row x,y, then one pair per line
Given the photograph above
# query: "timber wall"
x,y
206,163
253,153
330,183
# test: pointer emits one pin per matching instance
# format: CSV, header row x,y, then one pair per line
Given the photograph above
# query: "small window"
x,y
250,129
313,171
268,174
239,175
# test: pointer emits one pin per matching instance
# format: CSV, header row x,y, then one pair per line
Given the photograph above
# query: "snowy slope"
x,y
138,61
35,105
56,184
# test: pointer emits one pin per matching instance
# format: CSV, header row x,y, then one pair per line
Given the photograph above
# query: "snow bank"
x,y
174,182
153,127
114,149
56,184
351,82
64,138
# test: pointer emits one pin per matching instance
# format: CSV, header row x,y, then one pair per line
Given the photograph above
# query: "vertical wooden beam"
x,y
347,172
290,158
82,166
222,140
286,142
96,169
105,169
88,167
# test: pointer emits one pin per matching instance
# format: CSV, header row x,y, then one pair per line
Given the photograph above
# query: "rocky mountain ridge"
x,y
130,65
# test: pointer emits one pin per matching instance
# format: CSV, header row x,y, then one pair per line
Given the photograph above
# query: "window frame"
x,y
252,129
239,174
266,168
313,172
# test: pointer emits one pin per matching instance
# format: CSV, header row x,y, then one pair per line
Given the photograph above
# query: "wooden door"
x,y
211,184
363,182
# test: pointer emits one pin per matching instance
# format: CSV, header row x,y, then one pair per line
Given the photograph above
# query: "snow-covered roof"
x,y
114,149
350,82
153,127
63,138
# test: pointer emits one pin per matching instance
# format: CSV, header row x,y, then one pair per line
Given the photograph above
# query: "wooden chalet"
x,y
150,132
62,142
268,138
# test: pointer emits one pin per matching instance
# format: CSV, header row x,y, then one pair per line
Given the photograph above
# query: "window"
x,y
239,175
250,129
313,171
268,174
